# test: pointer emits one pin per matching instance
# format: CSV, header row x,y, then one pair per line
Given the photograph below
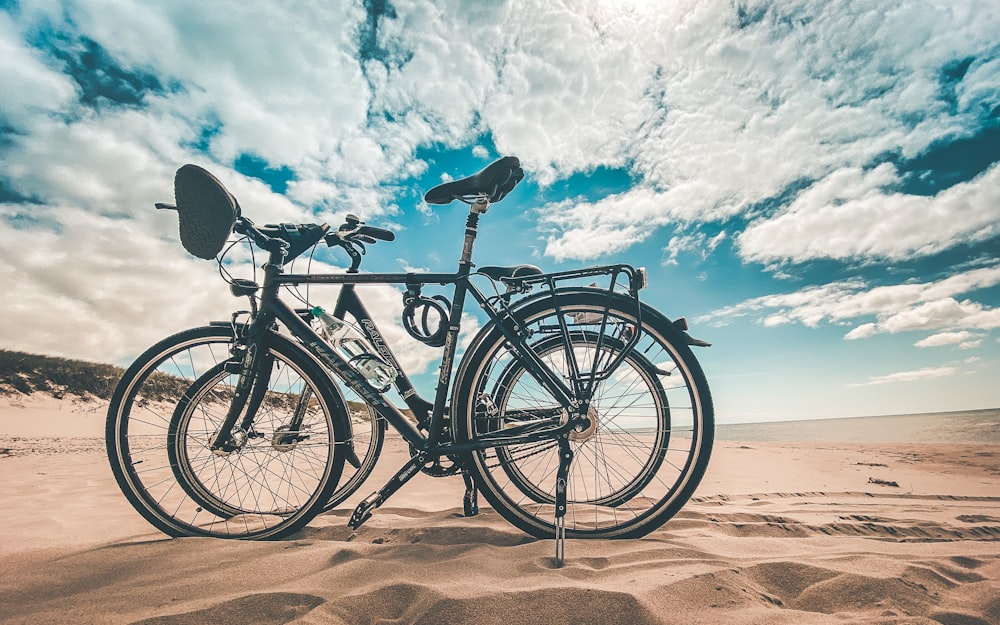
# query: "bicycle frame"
x,y
349,302
271,308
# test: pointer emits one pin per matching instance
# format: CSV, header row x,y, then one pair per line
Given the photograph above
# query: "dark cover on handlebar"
x,y
206,211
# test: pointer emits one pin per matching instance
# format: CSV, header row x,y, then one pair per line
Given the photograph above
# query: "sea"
x,y
967,427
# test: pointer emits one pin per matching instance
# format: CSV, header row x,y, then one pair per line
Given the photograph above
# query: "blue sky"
x,y
815,185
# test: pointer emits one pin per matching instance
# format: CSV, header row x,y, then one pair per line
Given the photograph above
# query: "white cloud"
x,y
606,227
848,216
698,242
30,87
928,373
572,85
862,331
102,289
710,118
283,83
813,91
897,308
963,339
942,313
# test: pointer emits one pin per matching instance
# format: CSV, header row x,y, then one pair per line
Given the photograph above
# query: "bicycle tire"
x,y
607,498
138,437
368,434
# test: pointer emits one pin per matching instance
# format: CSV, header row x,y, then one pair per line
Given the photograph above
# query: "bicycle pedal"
x,y
364,511
470,504
358,518
470,501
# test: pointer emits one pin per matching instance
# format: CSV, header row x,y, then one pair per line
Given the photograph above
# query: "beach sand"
x,y
790,532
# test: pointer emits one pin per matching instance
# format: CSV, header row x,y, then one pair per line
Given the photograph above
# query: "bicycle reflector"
x,y
642,278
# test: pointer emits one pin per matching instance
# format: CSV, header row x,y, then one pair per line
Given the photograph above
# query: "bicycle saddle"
x,y
494,181
510,273
206,211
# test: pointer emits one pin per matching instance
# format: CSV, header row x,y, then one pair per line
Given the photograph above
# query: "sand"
x,y
785,532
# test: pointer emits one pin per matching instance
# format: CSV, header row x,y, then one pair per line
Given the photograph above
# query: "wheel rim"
x,y
532,468
275,469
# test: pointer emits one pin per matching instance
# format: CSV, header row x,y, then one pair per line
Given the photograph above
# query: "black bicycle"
x,y
577,410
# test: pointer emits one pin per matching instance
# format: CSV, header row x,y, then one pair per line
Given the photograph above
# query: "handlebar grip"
x,y
377,233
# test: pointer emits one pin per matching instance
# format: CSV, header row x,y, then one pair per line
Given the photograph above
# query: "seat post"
x,y
479,207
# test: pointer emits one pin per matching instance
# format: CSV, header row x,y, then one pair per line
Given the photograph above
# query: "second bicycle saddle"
x,y
494,181
206,211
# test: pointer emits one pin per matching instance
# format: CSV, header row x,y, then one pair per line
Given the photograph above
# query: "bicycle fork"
x,y
254,371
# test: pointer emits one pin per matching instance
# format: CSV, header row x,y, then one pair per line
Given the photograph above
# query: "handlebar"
x,y
291,240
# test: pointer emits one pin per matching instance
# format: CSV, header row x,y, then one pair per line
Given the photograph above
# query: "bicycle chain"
x,y
544,446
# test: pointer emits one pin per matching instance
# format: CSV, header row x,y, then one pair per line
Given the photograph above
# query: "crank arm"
x,y
365,509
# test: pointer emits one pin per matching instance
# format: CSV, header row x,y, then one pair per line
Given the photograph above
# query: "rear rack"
x,y
621,280
635,279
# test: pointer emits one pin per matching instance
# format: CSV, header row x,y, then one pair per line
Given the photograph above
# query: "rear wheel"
x,y
650,418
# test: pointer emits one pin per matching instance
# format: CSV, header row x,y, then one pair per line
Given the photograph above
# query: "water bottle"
x,y
356,350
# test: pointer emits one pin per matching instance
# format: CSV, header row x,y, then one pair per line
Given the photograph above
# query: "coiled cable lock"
x,y
417,306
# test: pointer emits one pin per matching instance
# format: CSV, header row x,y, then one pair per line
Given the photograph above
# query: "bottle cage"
x,y
421,306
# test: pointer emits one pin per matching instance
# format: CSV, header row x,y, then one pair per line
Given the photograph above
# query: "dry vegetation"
x,y
60,377
63,378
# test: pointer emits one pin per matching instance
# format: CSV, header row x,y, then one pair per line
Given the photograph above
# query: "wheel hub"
x,y
285,439
237,439
586,433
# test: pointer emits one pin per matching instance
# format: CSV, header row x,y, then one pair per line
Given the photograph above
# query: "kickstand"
x,y
470,502
562,476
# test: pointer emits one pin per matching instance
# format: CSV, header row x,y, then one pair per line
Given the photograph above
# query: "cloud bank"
x,y
789,132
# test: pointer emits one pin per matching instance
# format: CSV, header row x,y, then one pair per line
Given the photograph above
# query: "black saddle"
x,y
505,274
495,181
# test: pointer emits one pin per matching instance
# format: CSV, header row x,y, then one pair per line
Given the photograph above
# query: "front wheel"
x,y
651,421
166,411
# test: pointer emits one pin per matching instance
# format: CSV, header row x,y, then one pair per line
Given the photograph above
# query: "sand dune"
x,y
778,533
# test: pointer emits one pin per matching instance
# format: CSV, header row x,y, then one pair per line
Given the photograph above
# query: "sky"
x,y
813,184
